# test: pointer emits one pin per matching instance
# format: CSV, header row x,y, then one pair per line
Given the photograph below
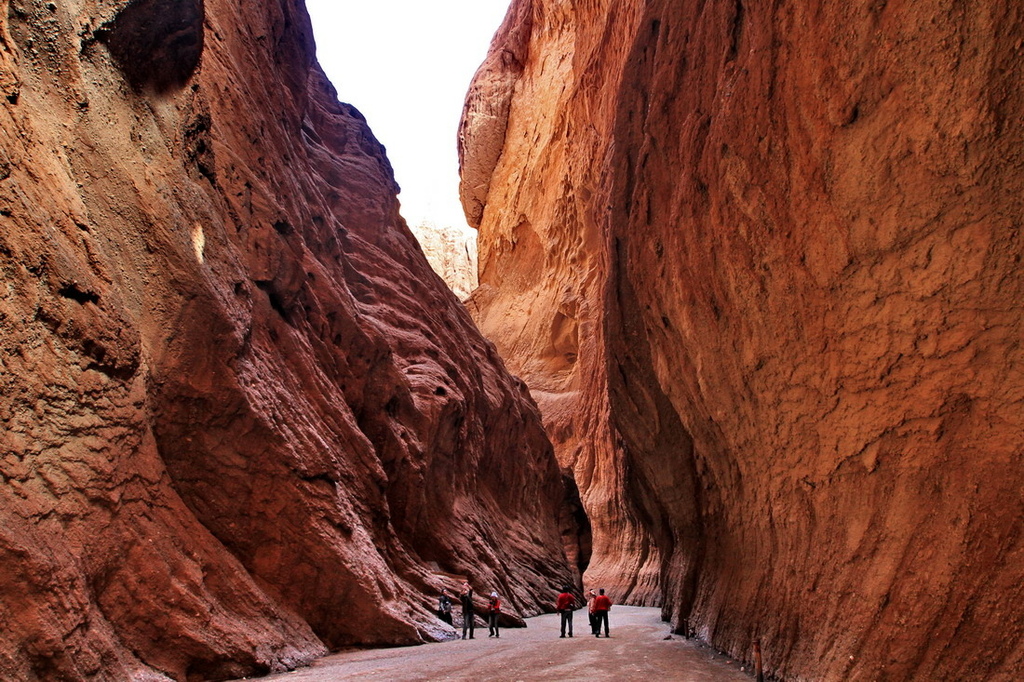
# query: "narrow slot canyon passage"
x,y
638,650
737,340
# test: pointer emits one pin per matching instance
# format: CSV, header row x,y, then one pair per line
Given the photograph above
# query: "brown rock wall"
x,y
543,267
782,244
242,421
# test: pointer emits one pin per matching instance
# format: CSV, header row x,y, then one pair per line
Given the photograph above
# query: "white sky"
x,y
406,65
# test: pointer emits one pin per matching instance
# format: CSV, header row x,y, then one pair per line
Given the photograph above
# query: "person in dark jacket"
x,y
564,606
444,607
602,605
493,611
466,599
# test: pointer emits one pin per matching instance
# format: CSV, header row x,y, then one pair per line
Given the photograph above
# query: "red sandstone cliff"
x,y
241,419
768,258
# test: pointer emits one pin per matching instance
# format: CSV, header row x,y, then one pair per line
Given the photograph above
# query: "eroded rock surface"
x,y
760,264
451,252
242,422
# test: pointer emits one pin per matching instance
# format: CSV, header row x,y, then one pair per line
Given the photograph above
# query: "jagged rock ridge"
x,y
759,263
242,421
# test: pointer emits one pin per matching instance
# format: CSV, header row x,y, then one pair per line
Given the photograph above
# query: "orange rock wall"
x,y
242,422
759,263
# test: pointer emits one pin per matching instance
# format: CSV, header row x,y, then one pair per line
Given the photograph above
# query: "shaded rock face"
x,y
242,421
157,43
770,258
451,253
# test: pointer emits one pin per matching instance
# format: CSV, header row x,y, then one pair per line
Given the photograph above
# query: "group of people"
x,y
444,611
598,606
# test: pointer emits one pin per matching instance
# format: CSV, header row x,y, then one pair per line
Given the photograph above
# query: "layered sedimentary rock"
x,y
768,258
451,252
242,422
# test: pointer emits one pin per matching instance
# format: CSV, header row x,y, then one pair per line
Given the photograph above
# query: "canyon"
x,y
759,263
745,344
243,423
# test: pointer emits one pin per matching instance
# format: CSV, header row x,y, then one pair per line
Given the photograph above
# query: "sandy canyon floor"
x,y
636,650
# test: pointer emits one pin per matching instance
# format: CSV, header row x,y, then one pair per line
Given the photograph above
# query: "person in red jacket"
x,y
564,606
493,611
602,605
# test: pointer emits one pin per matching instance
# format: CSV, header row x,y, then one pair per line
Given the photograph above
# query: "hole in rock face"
x,y
577,537
156,43
73,292
276,302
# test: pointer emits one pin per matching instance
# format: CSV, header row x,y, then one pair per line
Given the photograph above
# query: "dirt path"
x,y
636,650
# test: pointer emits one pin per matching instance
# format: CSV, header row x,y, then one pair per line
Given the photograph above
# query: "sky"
x,y
406,65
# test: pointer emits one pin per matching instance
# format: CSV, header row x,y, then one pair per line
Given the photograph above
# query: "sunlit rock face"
x,y
760,264
451,253
242,422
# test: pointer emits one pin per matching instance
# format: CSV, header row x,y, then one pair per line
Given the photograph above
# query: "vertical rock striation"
x,y
242,422
768,256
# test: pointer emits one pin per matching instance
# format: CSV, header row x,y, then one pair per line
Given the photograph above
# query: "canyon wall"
x,y
242,421
760,264
451,252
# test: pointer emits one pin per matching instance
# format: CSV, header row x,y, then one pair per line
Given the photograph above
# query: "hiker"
x,y
466,598
444,607
564,606
591,613
493,611
602,605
